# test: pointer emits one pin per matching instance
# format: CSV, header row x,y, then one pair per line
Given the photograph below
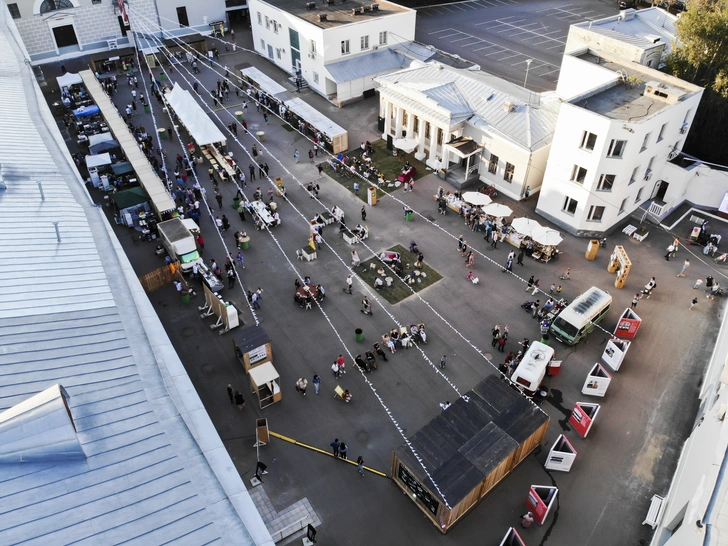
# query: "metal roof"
x,y
338,12
152,469
375,62
448,95
636,27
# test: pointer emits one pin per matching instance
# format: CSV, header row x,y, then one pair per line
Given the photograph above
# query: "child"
x,y
443,362
693,304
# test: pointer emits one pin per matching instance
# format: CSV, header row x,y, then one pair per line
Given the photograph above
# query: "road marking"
x,y
438,31
482,48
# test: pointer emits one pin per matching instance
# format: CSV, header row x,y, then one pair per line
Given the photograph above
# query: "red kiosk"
x,y
540,500
512,538
628,324
583,417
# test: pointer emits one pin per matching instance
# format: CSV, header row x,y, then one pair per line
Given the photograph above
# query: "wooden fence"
x,y
159,277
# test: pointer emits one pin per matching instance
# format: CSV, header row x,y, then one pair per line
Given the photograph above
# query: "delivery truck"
x,y
180,243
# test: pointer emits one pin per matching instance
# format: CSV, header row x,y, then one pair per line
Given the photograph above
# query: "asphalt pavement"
x,y
629,455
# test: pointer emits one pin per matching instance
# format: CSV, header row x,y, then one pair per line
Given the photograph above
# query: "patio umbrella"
x,y
546,236
476,198
525,226
407,145
103,146
496,209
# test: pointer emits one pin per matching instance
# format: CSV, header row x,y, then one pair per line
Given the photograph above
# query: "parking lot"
x,y
503,35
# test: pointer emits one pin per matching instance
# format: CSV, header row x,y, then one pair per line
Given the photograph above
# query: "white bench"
x,y
629,230
308,255
655,512
350,239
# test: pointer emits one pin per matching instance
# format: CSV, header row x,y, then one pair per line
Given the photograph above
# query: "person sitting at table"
x,y
321,292
394,336
258,223
347,396
358,230
378,283
363,366
389,343
257,194
420,261
549,304
423,334
317,219
380,272
307,280
276,219
297,283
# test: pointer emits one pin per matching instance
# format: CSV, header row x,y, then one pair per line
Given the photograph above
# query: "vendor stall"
x,y
252,347
545,241
336,138
468,449
129,203
265,384
85,111
521,230
198,124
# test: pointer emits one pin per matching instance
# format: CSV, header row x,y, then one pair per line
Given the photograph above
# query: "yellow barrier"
x,y
322,451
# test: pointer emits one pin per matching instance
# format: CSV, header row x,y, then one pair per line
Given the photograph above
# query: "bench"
x,y
629,230
350,239
655,512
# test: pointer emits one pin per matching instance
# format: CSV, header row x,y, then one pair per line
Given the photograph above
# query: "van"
x,y
579,318
532,369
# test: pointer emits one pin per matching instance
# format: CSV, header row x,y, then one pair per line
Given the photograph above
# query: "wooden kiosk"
x,y
252,347
468,449
266,384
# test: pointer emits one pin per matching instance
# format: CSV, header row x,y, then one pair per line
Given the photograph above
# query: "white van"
x,y
532,368
577,320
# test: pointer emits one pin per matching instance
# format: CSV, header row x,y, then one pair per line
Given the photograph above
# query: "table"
x,y
407,175
262,211
304,296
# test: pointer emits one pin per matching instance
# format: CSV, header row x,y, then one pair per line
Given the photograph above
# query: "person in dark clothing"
x,y
335,446
380,352
251,168
239,400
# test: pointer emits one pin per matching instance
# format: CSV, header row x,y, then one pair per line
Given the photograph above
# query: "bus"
x,y
578,319
532,368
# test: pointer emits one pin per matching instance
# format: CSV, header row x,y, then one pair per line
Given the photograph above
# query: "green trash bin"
x,y
545,339
163,76
245,245
358,335
185,297
409,216
236,202
147,110
239,116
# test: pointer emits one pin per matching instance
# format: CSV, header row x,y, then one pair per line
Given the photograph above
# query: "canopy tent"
x,y
101,137
407,145
265,83
525,226
122,167
103,146
68,79
338,135
131,197
546,236
189,112
476,198
98,160
86,111
496,209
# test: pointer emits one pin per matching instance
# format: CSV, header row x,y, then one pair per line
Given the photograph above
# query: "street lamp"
x,y
528,65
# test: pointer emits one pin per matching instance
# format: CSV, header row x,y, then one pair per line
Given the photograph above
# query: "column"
x,y
433,142
420,154
398,122
445,156
387,119
410,125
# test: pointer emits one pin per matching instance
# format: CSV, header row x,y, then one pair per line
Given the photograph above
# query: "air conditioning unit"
x,y
375,47
672,155
310,5
323,17
648,174
375,7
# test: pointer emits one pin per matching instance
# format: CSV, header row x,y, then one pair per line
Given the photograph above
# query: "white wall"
x,y
580,38
200,14
578,77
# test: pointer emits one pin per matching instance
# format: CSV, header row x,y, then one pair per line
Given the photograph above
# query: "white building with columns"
x,y
469,124
338,46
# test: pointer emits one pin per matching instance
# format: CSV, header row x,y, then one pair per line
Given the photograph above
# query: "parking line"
x,y
547,73
448,35
509,57
461,39
438,31
482,48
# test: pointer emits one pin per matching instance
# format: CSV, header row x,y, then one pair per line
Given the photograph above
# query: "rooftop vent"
x,y
323,17
508,107
366,8
665,93
330,2
375,7
310,5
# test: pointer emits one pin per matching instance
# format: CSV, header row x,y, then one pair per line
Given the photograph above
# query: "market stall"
x,y
129,203
189,113
335,137
265,384
545,241
252,347
521,230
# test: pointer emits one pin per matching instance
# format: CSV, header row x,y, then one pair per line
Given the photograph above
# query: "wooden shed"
x,y
468,449
252,347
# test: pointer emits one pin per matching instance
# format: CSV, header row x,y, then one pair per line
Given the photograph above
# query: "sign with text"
x,y
583,416
539,501
628,324
614,352
597,381
561,456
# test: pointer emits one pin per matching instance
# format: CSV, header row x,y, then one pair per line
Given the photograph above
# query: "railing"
x,y
292,528
656,208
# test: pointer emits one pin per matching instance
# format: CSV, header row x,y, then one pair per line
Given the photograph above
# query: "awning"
x,y
86,111
103,146
463,147
101,137
131,197
68,79
264,82
122,167
195,120
315,118
98,160
263,373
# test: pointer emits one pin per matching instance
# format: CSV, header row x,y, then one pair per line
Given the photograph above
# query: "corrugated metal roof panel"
x,y
375,62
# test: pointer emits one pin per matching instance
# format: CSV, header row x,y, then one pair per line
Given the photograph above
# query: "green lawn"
x,y
399,290
385,162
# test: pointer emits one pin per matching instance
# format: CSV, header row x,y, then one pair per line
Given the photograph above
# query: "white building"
x,y
612,140
640,36
338,45
470,124
61,29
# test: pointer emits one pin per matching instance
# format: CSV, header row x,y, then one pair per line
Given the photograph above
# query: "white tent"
x,y
99,138
68,79
98,160
199,125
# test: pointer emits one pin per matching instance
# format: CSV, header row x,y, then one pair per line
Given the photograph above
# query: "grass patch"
x,y
399,290
385,162
287,127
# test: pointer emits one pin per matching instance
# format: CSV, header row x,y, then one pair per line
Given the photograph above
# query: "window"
x,y
645,142
95,1
606,181
364,42
267,23
262,44
652,161
639,195
588,140
687,114
53,5
578,174
14,11
508,173
383,38
278,52
622,206
634,174
493,164
570,205
595,213
313,48
315,77
182,17
616,148
344,47
662,132
260,19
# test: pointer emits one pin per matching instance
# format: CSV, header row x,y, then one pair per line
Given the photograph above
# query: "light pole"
x,y
528,65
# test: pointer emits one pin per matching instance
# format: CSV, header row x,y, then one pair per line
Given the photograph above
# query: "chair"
x,y
308,305
299,254
338,393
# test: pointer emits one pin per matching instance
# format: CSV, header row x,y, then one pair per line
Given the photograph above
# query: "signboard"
x,y
583,416
628,324
539,501
258,354
419,492
597,381
614,352
512,538
561,456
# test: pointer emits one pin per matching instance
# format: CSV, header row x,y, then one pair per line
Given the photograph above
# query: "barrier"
x,y
227,314
597,381
562,455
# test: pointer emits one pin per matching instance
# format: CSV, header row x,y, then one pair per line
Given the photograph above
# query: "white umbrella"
x,y
407,145
476,198
525,226
546,236
496,209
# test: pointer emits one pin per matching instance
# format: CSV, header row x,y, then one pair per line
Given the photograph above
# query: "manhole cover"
x,y
187,332
207,368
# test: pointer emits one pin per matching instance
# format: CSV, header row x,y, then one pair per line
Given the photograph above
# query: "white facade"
x,y
612,143
293,42
199,15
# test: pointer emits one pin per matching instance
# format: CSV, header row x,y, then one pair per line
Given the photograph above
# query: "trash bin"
x,y
245,243
239,115
147,110
162,133
260,135
236,202
545,339
372,196
409,216
591,249
185,297
359,335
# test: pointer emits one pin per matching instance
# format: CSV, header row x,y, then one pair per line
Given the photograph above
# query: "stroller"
x,y
413,248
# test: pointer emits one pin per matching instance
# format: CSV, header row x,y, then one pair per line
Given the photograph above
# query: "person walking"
x,y
536,285
231,393
310,157
335,446
519,260
240,260
698,282
349,283
296,155
443,362
635,300
356,187
693,304
343,448
366,306
534,308
321,171
461,242
669,250
496,238
239,401
526,520
360,465
363,213
529,286
301,385
218,198
316,383
231,278
355,259
685,266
